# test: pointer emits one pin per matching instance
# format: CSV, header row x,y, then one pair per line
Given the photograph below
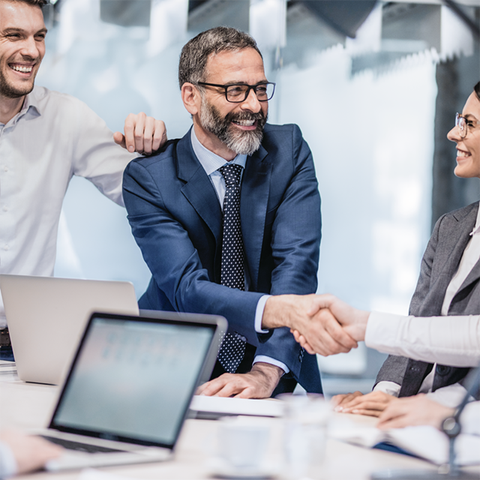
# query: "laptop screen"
x,y
133,380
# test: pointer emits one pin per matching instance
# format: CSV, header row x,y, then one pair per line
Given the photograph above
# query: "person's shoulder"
x,y
461,213
63,107
288,133
162,158
44,95
288,128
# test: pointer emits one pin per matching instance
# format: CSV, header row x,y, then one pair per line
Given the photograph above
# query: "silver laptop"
x,y
130,385
46,318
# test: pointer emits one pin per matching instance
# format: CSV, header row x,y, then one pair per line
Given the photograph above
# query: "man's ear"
x,y
191,98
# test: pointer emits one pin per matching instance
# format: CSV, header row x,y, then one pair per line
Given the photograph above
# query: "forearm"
x,y
448,340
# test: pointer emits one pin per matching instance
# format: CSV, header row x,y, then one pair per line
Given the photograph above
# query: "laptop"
x,y
130,385
46,318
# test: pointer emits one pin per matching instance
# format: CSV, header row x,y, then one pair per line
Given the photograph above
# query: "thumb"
x,y
119,139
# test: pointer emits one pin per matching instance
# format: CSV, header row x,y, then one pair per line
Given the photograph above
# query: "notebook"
x,y
130,385
46,318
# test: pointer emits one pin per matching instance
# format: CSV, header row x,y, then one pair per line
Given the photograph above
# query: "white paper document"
x,y
423,441
218,406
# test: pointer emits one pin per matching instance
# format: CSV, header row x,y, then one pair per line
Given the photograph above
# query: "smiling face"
x,y
22,47
468,148
226,128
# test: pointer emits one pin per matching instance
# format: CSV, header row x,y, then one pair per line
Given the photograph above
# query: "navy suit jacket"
x,y
176,219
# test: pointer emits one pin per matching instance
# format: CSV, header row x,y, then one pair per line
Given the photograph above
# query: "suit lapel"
x,y
198,188
458,227
253,208
475,272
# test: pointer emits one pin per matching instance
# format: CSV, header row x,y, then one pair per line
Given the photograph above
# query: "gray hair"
x,y
195,54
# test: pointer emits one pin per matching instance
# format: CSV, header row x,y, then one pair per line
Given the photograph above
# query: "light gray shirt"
x,y
52,138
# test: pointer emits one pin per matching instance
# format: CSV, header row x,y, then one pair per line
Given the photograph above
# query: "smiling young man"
x,y
208,256
46,138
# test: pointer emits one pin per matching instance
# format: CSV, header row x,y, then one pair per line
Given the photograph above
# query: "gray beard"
x,y
240,142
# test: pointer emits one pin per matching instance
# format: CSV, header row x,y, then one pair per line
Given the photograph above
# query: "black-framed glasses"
x,y
238,92
463,123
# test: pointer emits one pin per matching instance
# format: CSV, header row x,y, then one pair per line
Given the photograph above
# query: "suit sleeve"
x,y
174,261
393,369
296,235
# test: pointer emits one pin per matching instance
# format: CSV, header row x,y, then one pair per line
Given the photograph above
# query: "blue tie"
x,y
232,272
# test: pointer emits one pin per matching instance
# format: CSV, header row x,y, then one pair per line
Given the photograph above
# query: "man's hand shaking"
x,y
333,326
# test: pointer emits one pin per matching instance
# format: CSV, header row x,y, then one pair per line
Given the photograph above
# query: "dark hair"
x,y
33,3
476,89
195,54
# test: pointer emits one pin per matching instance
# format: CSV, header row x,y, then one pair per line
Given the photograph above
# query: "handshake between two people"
x,y
322,324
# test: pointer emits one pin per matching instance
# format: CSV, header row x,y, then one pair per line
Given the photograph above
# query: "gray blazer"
x,y
439,264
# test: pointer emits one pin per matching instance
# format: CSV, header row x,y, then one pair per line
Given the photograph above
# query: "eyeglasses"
x,y
463,123
238,93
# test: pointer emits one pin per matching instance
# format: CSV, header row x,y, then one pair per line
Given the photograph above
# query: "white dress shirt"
x,y
452,394
211,163
448,340
52,138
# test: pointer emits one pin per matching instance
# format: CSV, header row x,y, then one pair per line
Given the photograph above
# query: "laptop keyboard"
x,y
80,447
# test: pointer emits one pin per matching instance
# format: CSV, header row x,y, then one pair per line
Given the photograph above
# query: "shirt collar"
x,y
210,161
30,102
476,228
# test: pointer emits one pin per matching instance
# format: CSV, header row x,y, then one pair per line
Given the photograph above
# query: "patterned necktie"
x,y
232,274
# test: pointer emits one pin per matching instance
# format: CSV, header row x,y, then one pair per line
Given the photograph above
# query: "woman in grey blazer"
x,y
449,284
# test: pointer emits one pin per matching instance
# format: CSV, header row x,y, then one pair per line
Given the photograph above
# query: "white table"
x,y
29,406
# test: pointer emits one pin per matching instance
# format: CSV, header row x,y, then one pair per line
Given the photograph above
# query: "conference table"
x,y
28,406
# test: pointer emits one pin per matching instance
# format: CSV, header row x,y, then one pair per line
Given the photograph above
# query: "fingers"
x,y
366,412
119,139
143,134
226,385
303,342
416,410
366,408
129,132
337,332
371,404
159,135
326,336
30,452
318,302
260,382
343,399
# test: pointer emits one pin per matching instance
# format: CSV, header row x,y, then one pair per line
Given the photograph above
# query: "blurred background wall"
x,y
373,85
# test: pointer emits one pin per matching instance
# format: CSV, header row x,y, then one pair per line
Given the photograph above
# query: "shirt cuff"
x,y
271,361
8,465
390,388
259,315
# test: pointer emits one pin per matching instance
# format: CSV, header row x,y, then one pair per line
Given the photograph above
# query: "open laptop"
x,y
46,318
130,386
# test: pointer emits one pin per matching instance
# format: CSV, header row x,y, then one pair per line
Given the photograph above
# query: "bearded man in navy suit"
x,y
175,200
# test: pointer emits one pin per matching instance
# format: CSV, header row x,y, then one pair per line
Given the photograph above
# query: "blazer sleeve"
x,y
296,235
394,367
173,259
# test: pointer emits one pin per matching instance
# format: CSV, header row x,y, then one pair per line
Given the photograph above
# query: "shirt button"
x,y
5,169
5,208
5,247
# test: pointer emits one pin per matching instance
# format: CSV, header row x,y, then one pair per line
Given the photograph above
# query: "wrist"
x,y
361,324
276,310
270,372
